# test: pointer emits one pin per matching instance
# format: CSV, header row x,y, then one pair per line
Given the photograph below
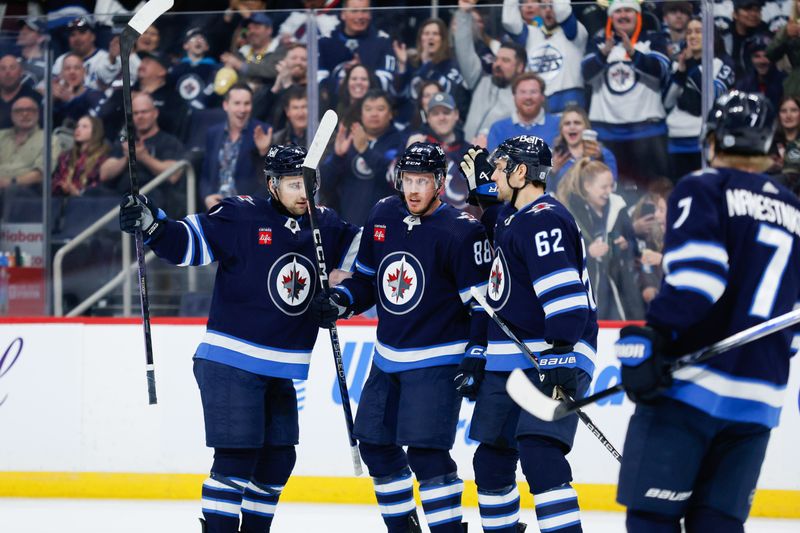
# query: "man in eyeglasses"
x,y
21,146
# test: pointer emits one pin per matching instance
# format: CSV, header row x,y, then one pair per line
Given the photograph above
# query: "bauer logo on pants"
x,y
402,282
291,283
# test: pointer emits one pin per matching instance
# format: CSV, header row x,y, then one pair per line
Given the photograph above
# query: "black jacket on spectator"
x,y
737,46
354,183
83,104
248,173
771,86
173,113
374,49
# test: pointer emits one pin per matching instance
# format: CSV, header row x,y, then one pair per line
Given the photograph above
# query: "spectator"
x,y
12,89
357,81
443,118
22,146
787,43
357,174
193,76
746,26
78,169
256,61
292,70
723,15
762,76
156,151
419,119
571,145
676,19
30,40
293,29
150,41
776,13
492,99
486,46
434,61
650,214
356,41
684,100
790,173
529,116
295,109
72,98
608,237
100,69
530,13
787,130
555,49
234,150
628,72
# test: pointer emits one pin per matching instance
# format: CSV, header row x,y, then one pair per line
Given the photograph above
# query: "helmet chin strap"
x,y
515,189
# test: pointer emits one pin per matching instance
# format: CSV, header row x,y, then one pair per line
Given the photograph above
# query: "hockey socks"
x,y
441,501
395,494
258,507
222,500
499,509
557,510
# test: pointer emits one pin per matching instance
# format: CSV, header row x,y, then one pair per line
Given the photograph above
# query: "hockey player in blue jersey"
x,y
540,287
419,265
259,336
697,439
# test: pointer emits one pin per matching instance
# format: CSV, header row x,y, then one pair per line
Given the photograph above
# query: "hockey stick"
x,y
324,133
532,400
476,293
135,28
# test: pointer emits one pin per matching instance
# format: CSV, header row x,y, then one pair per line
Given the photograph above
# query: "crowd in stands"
x,y
613,86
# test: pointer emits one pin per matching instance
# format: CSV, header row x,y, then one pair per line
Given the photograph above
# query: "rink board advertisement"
x,y
75,421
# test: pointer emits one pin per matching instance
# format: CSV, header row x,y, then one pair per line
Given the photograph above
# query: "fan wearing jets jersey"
x,y
731,261
418,260
540,287
259,336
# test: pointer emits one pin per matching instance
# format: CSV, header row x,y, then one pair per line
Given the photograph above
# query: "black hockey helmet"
x,y
741,123
421,157
285,160
528,149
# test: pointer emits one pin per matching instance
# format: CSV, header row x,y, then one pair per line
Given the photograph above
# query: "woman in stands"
x,y
357,81
78,169
788,129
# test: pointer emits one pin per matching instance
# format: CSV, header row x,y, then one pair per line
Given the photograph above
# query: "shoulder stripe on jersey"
x,y
466,294
361,267
555,280
254,350
565,304
206,257
349,258
189,255
706,284
707,251
411,355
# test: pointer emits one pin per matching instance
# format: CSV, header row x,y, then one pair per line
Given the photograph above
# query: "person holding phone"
x,y
575,140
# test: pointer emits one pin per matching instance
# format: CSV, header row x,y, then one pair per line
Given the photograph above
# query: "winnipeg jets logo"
x,y
620,77
291,283
402,282
546,61
499,282
190,86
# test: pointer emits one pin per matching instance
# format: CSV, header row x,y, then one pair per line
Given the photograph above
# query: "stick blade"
x,y
321,139
148,14
530,398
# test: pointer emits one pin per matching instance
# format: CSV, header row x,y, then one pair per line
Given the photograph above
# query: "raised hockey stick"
x,y
478,295
532,400
135,28
324,132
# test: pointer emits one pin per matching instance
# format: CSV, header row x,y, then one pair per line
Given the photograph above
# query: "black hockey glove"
x,y
477,171
328,306
562,376
470,373
139,212
645,371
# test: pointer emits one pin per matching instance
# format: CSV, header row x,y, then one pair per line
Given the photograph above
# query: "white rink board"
x,y
74,399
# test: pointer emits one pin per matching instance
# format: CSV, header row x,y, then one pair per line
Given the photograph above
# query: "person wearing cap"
x,y
529,117
12,88
29,40
193,77
676,18
256,61
627,70
555,49
745,27
761,76
101,70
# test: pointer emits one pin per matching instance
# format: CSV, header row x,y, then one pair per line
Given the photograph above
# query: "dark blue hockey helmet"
x,y
741,123
421,157
528,149
285,160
